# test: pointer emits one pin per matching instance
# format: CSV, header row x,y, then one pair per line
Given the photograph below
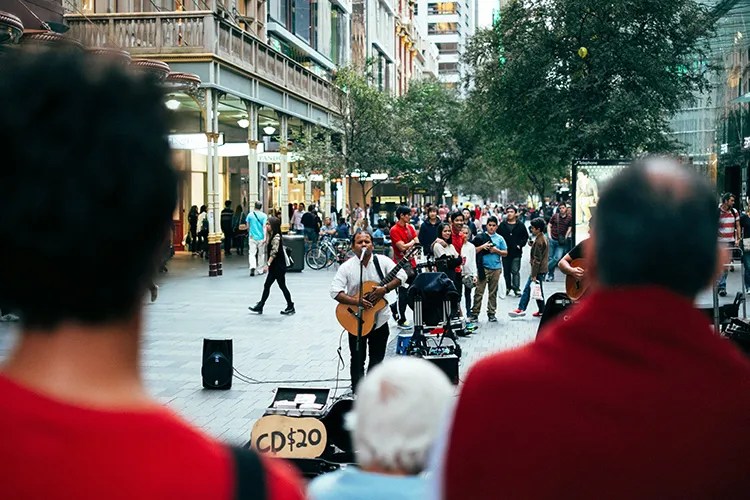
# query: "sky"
x,y
485,12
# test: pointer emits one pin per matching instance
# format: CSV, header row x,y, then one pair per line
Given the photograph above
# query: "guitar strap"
x,y
377,267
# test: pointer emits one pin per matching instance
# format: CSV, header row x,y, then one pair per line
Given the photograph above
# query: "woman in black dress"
x,y
275,267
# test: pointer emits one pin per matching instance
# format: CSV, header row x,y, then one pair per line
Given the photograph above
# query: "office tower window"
x,y
448,48
443,8
442,28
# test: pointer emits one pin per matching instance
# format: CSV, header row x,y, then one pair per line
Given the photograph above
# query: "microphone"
x,y
363,254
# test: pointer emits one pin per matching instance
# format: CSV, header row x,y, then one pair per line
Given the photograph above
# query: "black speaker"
x,y
448,365
217,364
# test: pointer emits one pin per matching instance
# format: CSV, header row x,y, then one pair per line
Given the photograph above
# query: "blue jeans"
x,y
526,296
311,237
557,251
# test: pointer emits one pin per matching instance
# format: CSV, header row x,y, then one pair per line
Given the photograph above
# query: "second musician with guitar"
x,y
345,288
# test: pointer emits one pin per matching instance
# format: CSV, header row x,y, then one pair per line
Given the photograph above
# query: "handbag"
x,y
536,291
242,227
288,257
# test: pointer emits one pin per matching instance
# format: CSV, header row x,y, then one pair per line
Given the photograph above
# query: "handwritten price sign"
x,y
289,437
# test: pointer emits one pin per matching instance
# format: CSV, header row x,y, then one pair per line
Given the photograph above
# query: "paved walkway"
x,y
274,350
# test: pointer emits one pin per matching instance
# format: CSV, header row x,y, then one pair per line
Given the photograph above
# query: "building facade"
x,y
450,25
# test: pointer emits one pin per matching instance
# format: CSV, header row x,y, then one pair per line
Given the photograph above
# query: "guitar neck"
x,y
400,265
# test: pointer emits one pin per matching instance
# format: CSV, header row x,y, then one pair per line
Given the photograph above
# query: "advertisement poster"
x,y
589,176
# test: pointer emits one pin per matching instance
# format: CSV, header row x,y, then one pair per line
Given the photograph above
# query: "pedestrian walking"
x,y
296,220
493,248
193,229
516,236
729,234
256,228
539,259
560,230
310,227
202,225
226,227
276,267
239,229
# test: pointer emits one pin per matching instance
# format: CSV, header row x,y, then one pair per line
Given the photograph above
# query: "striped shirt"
x,y
727,224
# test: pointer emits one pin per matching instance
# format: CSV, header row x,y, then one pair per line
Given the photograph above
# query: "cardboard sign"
x,y
289,437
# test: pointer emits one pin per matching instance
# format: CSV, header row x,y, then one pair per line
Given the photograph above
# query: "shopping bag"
x,y
536,291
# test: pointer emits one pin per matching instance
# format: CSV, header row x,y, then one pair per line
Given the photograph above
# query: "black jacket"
x,y
516,236
428,235
226,220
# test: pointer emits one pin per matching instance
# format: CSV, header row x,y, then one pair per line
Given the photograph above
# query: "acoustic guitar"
x,y
575,288
347,314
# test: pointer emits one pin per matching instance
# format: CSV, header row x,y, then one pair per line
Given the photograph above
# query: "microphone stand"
x,y
360,313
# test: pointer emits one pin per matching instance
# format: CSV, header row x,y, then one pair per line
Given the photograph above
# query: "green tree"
x,y
557,80
435,142
360,140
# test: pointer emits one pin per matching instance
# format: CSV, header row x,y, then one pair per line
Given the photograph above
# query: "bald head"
x,y
657,224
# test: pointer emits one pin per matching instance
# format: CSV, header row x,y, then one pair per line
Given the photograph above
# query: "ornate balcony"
x,y
201,34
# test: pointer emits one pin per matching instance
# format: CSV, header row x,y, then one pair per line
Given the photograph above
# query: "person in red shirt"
x,y
85,138
403,238
634,396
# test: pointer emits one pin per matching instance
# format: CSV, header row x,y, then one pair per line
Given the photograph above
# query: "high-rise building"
x,y
373,40
449,26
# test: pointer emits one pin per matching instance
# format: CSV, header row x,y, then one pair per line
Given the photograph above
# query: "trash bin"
x,y
295,243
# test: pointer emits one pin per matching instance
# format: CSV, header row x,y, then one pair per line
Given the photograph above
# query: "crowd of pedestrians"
x,y
634,396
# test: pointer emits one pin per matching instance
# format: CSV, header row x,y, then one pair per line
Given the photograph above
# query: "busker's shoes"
x,y
252,272
257,308
289,310
537,314
492,319
516,313
471,327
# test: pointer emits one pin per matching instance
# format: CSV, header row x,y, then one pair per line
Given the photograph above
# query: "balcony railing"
x,y
202,32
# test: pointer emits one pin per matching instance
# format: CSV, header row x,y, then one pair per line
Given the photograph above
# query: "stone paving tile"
x,y
274,350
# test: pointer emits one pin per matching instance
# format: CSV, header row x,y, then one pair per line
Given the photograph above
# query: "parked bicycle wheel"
x,y
317,258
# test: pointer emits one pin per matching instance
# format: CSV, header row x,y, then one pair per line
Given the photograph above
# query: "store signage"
x,y
276,157
746,143
191,141
724,148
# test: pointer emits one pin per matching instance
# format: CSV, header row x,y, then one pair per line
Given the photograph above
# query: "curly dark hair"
x,y
87,186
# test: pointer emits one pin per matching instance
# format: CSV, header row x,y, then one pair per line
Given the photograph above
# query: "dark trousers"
x,y
280,277
512,269
467,298
227,243
377,341
456,302
398,308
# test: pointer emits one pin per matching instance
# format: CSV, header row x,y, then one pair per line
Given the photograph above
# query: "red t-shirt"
x,y
51,449
404,234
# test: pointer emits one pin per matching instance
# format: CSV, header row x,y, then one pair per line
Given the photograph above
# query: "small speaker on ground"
x,y
217,365
448,364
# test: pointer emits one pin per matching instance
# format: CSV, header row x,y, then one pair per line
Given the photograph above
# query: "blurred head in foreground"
x,y
85,155
397,415
643,217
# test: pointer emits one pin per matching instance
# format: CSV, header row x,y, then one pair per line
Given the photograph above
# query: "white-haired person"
x,y
395,422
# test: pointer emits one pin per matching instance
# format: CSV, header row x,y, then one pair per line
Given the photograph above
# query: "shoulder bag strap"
x,y
250,478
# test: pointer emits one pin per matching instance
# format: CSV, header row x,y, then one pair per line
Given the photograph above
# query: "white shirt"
x,y
347,281
469,255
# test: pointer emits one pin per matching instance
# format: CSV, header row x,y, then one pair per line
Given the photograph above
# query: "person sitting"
x,y
79,421
395,422
634,396
342,231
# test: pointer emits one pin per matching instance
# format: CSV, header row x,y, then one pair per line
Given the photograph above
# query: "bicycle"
x,y
327,251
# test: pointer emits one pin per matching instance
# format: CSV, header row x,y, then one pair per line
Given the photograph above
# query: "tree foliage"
x,y
361,136
556,80
434,141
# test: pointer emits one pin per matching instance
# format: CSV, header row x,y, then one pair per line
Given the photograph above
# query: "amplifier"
x,y
447,364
